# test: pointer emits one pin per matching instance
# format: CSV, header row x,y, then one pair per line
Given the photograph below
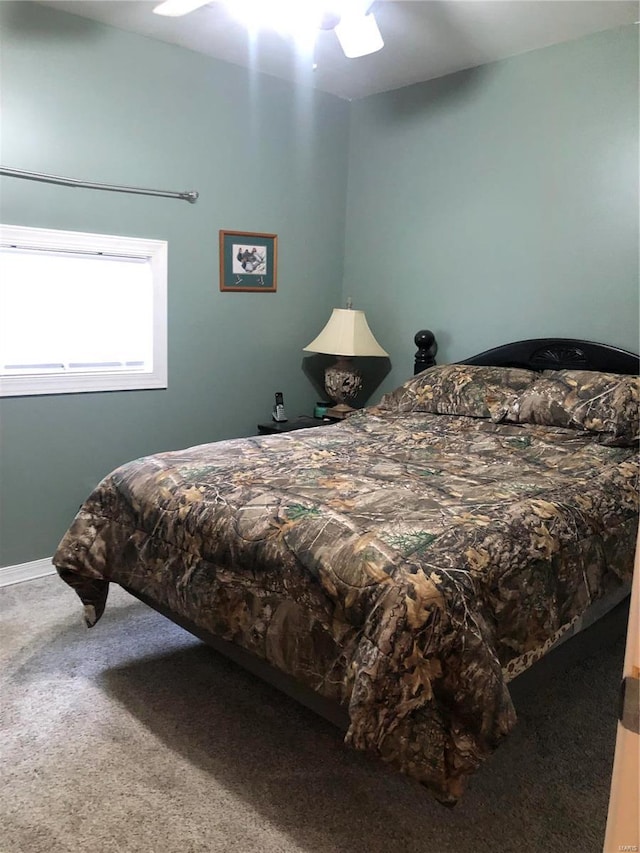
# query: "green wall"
x,y
500,203
89,101
494,204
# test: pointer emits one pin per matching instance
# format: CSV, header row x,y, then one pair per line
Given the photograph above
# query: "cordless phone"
x,y
278,409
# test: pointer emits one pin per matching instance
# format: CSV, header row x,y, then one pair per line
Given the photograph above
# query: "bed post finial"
x,y
425,357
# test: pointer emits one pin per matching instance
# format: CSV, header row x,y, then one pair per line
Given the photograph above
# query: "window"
x,y
81,312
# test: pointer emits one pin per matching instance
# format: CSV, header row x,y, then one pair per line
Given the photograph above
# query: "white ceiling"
x,y
423,38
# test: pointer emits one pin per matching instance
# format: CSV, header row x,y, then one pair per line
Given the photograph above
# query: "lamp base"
x,y
341,411
342,381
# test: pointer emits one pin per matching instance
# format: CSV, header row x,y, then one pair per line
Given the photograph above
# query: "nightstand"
x,y
303,422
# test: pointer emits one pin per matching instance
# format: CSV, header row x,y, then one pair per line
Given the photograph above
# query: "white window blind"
x,y
80,312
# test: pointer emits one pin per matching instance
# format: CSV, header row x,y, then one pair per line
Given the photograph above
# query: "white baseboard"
x,y
26,571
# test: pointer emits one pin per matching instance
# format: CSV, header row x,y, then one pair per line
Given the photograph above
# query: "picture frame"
x,y
248,262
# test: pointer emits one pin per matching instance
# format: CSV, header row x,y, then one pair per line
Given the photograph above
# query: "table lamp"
x,y
347,334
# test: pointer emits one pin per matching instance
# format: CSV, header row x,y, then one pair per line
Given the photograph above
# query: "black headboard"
x,y
542,354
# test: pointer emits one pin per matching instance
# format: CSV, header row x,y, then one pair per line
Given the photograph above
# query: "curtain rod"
x,y
190,196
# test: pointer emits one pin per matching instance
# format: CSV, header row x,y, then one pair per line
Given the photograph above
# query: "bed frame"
x,y
536,354
539,354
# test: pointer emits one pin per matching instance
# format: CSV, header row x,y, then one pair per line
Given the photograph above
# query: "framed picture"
x,y
248,261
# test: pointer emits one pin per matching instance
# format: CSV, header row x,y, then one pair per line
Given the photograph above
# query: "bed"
x,y
398,569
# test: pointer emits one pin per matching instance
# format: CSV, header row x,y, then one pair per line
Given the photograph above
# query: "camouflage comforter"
x,y
403,563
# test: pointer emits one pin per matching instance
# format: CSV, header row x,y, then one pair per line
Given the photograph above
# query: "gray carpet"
x,y
134,737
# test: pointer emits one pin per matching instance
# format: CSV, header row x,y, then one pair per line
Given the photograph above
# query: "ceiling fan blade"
x,y
176,8
359,35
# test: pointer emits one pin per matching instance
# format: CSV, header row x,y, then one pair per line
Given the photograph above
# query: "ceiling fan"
x,y
352,21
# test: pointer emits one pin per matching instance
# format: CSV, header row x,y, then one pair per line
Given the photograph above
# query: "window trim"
x,y
156,251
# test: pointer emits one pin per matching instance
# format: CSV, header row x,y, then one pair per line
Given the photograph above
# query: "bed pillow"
x,y
459,389
603,403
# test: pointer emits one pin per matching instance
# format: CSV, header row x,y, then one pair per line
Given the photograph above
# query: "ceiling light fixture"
x,y
359,35
288,17
177,8
355,26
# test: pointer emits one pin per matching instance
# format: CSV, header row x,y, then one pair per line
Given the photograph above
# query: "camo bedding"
x,y
402,562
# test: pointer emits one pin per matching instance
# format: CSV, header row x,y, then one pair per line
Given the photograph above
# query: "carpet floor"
x,y
134,737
